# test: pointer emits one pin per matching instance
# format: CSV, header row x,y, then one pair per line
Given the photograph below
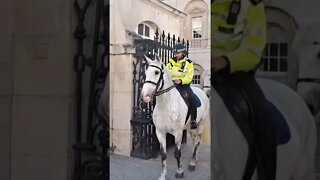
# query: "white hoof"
x,y
162,178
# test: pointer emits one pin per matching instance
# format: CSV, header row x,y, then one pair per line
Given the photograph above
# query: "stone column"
x,y
37,91
6,83
121,87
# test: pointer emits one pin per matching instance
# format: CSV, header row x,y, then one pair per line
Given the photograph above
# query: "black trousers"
x,y
187,93
262,127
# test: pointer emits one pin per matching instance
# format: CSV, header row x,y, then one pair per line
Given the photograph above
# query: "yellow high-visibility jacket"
x,y
182,69
241,43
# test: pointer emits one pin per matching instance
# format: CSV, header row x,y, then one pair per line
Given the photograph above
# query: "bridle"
x,y
160,91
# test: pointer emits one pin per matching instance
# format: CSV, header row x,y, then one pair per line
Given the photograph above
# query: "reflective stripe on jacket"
x,y
183,69
243,42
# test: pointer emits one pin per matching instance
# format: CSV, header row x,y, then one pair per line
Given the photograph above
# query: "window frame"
x,y
192,28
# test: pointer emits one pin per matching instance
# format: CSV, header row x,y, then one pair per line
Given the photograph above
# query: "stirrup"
x,y
193,125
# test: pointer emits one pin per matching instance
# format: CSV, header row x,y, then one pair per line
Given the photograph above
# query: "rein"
x,y
164,90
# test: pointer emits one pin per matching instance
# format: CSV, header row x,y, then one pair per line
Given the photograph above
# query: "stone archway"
x,y
280,34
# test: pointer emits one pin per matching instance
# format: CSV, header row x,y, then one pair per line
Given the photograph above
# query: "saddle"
x,y
241,109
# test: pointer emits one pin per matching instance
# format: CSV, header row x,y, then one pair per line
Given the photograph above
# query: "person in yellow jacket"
x,y
181,70
238,30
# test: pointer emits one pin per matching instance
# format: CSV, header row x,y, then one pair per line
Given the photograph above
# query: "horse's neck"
x,y
169,96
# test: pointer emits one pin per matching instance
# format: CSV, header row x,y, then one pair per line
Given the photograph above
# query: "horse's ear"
x,y
157,57
148,59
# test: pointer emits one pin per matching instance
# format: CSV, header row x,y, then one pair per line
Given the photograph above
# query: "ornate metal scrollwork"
x,y
91,147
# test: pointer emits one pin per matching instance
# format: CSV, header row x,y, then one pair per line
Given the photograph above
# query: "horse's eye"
x,y
157,72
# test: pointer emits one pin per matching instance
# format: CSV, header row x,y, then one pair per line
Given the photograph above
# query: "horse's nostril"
x,y
319,55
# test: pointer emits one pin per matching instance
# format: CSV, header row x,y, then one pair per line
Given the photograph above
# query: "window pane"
x,y
273,64
196,23
147,31
266,52
273,49
196,79
196,34
140,29
275,57
265,64
283,49
196,27
283,65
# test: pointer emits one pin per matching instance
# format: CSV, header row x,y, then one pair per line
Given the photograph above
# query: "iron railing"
x,y
90,150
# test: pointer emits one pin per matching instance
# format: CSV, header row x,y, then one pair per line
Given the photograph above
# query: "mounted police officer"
x,y
238,39
181,70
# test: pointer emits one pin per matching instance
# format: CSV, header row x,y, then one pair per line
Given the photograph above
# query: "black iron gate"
x,y
144,141
92,126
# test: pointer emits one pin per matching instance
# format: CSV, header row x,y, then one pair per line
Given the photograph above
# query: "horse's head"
x,y
154,78
307,47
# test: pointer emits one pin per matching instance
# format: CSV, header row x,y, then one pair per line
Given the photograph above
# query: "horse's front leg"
x,y
177,155
162,140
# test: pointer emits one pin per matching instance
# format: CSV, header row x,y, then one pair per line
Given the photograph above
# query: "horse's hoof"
x,y
162,178
179,175
191,167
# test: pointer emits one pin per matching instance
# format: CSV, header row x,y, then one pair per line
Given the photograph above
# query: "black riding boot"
x,y
186,91
264,131
193,108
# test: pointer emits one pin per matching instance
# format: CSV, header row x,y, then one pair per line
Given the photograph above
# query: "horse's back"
x,y
205,104
201,94
300,121
284,98
289,102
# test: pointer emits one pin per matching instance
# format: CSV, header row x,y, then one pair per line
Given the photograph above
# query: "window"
x,y
196,27
196,79
275,57
144,30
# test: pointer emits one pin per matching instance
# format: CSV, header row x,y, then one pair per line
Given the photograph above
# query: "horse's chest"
x,y
167,120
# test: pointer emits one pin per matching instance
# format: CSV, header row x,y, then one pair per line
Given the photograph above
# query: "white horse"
x,y
295,159
170,113
307,47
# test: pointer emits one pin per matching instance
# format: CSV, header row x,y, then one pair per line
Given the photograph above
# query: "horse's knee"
x,y
177,153
163,155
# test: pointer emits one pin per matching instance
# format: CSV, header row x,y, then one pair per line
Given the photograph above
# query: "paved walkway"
x,y
129,168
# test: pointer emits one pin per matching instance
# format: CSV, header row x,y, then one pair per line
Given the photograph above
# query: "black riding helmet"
x,y
180,48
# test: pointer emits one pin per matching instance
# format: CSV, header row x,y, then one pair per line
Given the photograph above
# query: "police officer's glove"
x,y
177,82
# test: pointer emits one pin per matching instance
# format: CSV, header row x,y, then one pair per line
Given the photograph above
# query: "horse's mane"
x,y
166,73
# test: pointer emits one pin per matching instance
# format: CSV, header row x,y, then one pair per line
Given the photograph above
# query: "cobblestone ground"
x,y
129,168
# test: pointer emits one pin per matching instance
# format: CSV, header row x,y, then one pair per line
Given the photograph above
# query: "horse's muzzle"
x,y
146,97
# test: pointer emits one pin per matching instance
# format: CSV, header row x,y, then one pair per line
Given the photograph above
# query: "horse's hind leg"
x,y
162,140
196,137
177,155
